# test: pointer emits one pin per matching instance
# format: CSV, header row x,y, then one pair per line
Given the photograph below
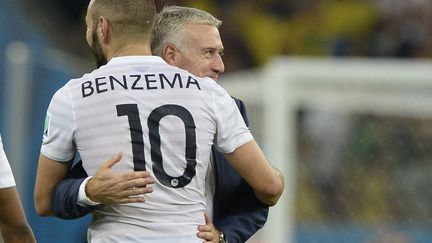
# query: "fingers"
x,y
208,224
129,176
135,199
112,161
136,191
205,228
137,180
120,196
135,187
120,187
208,236
207,219
208,232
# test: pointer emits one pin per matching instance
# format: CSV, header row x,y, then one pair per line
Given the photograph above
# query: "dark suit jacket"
x,y
236,210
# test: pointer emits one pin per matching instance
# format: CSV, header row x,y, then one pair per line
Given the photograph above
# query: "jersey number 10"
x,y
132,113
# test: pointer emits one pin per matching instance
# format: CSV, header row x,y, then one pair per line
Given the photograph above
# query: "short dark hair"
x,y
131,17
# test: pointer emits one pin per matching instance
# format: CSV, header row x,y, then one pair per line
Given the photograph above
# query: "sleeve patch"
x,y
46,125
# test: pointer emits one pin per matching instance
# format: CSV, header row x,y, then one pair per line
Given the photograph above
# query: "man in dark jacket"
x,y
189,39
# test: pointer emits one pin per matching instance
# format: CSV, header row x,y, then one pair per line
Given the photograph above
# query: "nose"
x,y
218,65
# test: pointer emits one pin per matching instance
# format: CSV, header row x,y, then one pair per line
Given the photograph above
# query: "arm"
x,y
242,217
65,196
236,210
252,165
49,174
13,224
239,214
246,228
233,138
106,187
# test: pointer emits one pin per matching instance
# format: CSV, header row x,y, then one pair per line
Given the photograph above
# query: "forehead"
x,y
202,35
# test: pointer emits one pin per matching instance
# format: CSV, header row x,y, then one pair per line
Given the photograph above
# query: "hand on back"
x,y
110,187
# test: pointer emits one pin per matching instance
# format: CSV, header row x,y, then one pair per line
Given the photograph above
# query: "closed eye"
x,y
212,51
209,52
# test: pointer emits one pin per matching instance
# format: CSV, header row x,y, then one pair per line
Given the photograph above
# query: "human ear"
x,y
104,29
170,54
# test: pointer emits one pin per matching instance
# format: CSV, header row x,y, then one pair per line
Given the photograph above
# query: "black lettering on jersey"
x,y
192,81
177,76
99,85
113,79
132,113
153,123
87,89
134,85
164,79
149,81
136,82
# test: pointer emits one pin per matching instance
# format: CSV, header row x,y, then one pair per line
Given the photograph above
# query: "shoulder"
x,y
238,102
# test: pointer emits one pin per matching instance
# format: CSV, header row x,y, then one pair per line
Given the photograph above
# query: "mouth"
x,y
214,77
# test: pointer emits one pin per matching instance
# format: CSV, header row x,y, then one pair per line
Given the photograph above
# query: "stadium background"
x,y
360,177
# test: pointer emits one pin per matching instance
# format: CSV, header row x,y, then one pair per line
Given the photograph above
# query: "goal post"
x,y
275,93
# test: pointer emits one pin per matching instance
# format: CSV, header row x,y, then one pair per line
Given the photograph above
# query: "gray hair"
x,y
170,21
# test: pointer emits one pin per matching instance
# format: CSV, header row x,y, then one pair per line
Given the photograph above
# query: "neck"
x,y
130,50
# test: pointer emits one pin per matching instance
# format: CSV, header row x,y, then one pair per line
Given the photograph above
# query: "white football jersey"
x,y
6,176
164,120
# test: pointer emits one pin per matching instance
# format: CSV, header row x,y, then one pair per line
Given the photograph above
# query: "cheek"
x,y
185,63
203,66
197,66
202,69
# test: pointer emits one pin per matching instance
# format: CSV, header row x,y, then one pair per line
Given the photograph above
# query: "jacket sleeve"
x,y
64,198
236,210
245,216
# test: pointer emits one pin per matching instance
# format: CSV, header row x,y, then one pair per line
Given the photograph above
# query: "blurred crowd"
x,y
254,31
378,28
380,173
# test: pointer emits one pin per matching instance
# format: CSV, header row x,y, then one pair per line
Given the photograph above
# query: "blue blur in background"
x,y
44,80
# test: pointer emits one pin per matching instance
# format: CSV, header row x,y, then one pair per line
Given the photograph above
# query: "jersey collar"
x,y
129,59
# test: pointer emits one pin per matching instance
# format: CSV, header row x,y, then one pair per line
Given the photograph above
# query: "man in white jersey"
x,y
164,121
235,214
13,224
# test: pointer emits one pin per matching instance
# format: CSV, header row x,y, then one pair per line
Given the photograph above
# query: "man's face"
x,y
202,51
93,41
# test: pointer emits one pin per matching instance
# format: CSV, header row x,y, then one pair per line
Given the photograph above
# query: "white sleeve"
x,y
232,131
82,199
6,176
58,143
